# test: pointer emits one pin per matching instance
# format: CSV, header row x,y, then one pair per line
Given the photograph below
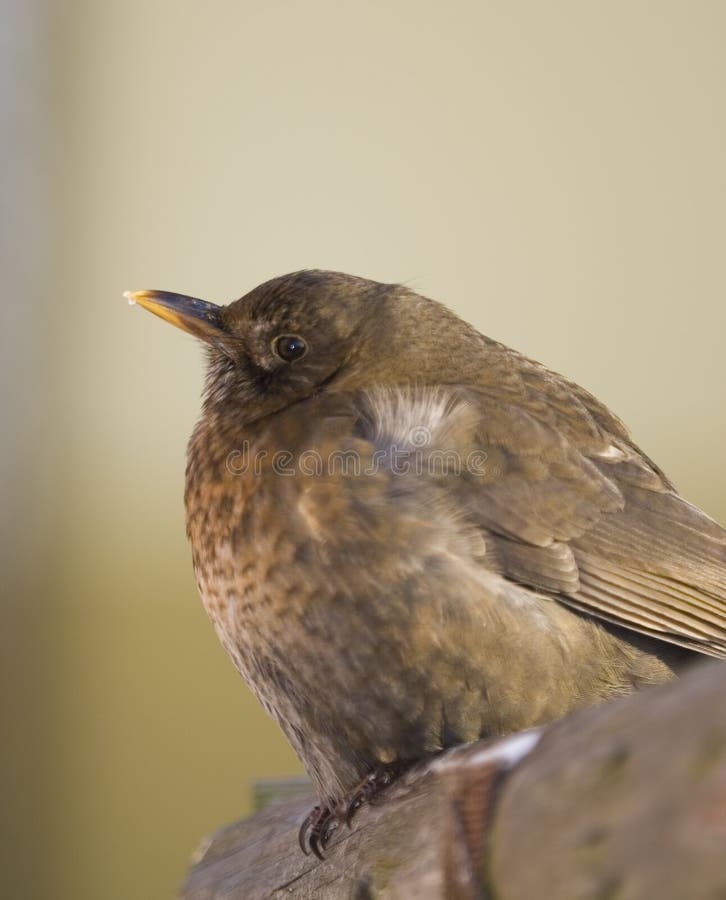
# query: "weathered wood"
x,y
626,801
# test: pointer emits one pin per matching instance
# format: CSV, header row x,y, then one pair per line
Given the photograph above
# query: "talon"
x,y
315,831
315,848
319,825
304,828
350,810
358,797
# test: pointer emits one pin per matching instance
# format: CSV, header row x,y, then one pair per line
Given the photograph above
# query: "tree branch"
x,y
625,801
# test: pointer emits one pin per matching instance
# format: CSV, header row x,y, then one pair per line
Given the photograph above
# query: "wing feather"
x,y
567,504
571,506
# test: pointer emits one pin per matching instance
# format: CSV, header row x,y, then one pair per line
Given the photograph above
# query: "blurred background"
x,y
552,171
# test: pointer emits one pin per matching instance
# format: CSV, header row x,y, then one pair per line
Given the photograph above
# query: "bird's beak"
x,y
198,317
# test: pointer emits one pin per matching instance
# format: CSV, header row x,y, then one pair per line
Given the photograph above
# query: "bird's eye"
x,y
289,347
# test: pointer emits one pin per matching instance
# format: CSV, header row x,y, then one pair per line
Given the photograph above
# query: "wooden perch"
x,y
626,801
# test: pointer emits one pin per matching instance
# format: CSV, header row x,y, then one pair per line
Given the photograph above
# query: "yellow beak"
x,y
198,317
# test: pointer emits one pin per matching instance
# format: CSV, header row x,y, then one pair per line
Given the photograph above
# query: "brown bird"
x,y
408,535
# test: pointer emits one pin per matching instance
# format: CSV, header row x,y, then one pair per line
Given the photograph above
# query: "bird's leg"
x,y
370,787
319,825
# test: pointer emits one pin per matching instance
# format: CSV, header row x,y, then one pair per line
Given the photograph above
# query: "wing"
x,y
567,503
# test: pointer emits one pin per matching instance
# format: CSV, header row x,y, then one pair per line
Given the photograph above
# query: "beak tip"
x,y
130,297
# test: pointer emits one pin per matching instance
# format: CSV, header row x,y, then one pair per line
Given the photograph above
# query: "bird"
x,y
409,536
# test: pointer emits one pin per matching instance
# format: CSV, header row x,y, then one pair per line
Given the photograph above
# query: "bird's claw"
x,y
315,831
370,787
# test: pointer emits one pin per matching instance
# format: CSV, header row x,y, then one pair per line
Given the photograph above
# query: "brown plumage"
x,y
408,535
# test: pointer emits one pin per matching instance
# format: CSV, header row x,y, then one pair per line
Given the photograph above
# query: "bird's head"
x,y
297,334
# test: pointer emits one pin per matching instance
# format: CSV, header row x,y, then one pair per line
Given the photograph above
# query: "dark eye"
x,y
290,347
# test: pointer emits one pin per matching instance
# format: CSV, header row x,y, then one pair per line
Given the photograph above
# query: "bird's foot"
x,y
316,830
370,787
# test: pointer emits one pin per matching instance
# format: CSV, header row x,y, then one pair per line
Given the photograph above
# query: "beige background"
x,y
554,171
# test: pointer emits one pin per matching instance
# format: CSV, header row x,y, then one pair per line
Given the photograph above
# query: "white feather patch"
x,y
612,454
505,753
411,418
